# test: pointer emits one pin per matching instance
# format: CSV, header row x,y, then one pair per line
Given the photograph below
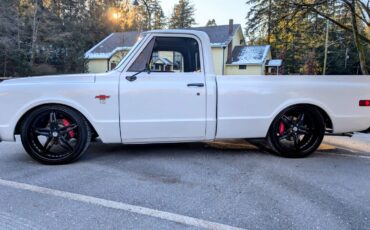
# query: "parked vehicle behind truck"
x,y
144,101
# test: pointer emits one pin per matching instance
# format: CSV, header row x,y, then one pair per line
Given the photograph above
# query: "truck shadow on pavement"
x,y
231,148
219,149
210,149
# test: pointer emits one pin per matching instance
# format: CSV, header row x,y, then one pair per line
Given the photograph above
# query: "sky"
x,y
220,10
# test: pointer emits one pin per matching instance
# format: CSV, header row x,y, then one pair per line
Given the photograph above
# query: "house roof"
x,y
249,55
274,63
113,43
219,36
165,61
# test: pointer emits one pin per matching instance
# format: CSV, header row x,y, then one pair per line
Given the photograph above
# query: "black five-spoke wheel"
x,y
297,132
55,135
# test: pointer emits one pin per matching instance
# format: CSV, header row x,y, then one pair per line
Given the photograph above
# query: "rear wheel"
x,y
55,135
297,132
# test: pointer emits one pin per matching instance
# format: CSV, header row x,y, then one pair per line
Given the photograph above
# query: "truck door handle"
x,y
199,85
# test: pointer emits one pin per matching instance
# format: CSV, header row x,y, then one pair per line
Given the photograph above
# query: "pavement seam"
x,y
177,218
348,155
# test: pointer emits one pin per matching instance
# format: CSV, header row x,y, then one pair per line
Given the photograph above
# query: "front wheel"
x,y
297,132
55,135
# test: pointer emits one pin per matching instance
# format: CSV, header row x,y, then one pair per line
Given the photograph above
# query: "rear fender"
x,y
302,101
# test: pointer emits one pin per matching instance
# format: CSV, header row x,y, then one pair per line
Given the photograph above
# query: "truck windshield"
x,y
139,41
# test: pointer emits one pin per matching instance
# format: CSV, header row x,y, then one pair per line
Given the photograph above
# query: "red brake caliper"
x,y
281,128
67,123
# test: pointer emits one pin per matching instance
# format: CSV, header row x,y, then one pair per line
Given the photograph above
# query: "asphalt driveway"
x,y
186,186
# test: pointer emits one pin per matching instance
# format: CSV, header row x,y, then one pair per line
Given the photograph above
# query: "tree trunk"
x,y
360,47
34,34
5,62
269,23
18,28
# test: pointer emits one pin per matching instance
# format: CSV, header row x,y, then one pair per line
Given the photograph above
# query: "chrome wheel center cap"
x,y
55,134
295,129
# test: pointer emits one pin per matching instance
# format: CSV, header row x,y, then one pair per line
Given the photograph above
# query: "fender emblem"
x,y
102,98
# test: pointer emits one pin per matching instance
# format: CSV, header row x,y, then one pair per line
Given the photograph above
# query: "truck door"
x,y
169,102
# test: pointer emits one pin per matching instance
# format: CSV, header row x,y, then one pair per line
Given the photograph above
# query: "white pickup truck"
x,y
146,99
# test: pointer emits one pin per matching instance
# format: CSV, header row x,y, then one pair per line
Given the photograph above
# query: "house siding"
x,y
101,65
217,59
97,66
251,70
166,54
237,38
116,58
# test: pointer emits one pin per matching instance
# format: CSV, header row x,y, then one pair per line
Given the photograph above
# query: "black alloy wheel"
x,y
55,135
297,132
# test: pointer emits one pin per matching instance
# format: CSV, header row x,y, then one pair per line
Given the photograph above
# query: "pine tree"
x,y
182,15
211,22
131,17
159,21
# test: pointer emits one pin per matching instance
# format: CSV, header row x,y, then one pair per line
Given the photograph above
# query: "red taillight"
x,y
365,103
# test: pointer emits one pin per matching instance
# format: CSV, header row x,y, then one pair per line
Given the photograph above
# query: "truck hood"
x,y
54,79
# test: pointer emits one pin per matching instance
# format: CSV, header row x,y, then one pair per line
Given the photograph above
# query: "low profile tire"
x,y
55,135
297,132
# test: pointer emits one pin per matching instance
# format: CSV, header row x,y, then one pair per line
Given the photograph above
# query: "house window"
x,y
155,55
113,65
243,67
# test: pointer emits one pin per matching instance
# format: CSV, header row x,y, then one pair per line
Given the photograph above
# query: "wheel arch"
x,y
25,114
329,127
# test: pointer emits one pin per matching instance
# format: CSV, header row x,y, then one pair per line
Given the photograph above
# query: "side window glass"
x,y
178,63
171,55
143,59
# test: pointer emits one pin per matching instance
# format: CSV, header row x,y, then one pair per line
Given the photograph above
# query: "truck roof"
x,y
200,34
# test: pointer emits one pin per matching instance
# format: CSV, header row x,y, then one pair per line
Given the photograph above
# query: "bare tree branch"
x,y
365,8
311,7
